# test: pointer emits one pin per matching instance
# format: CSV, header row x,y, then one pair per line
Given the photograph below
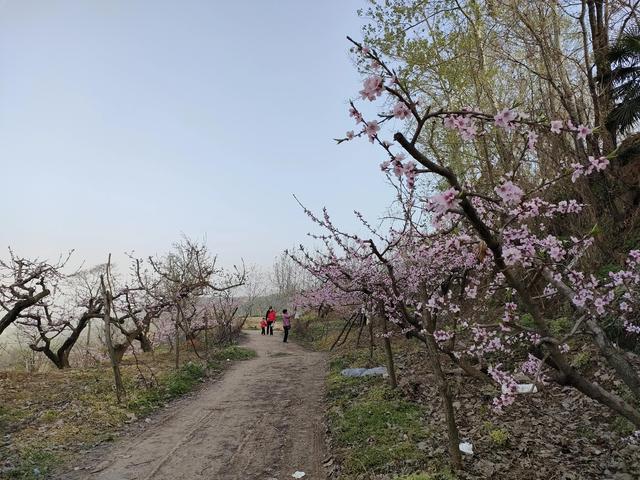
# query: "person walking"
x,y
286,324
271,319
263,326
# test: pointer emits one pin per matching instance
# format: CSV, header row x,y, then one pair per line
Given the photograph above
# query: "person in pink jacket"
x,y
286,324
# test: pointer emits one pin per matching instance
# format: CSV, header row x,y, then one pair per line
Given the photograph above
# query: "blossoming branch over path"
x,y
262,419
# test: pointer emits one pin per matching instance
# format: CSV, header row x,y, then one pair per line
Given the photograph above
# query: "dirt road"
x,y
261,420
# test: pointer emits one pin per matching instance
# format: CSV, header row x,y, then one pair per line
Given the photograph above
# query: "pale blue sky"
x,y
125,123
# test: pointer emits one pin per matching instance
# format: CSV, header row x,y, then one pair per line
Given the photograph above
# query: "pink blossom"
x,y
410,173
505,118
556,253
442,336
556,126
384,166
469,132
511,255
599,164
355,114
372,130
578,171
445,201
401,111
350,135
532,366
450,121
583,132
631,327
465,124
600,303
510,193
372,88
398,168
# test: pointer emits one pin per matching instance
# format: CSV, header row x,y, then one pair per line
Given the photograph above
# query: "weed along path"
x,y
261,420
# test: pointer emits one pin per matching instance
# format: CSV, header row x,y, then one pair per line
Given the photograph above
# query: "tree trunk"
x,y
370,340
145,343
119,351
177,340
445,394
390,363
64,358
120,392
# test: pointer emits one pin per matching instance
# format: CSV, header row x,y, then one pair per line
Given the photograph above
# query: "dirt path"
x,y
261,420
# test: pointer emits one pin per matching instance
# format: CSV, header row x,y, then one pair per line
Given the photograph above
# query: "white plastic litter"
x,y
298,475
466,447
364,372
522,388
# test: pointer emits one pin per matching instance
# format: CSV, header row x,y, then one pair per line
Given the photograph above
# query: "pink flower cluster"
x,y
510,193
464,124
505,119
594,165
582,131
401,111
443,202
509,387
372,88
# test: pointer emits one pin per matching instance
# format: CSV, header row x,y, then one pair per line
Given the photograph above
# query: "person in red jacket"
x,y
270,317
263,326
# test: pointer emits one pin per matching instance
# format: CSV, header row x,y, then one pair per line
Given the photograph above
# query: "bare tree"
x,y
24,283
189,272
289,279
61,318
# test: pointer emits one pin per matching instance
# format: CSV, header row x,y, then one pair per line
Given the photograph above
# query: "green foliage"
x,y
581,359
526,320
184,379
442,475
416,476
374,428
622,426
356,359
560,326
170,386
34,464
624,56
234,353
499,437
49,416
604,270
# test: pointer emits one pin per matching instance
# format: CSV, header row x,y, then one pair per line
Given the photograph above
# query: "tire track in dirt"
x,y
261,420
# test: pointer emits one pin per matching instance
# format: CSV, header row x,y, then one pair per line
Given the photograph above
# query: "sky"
x,y
124,124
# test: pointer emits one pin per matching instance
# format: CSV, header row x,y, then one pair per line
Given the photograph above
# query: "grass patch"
x,y
374,429
233,353
34,465
171,385
428,476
